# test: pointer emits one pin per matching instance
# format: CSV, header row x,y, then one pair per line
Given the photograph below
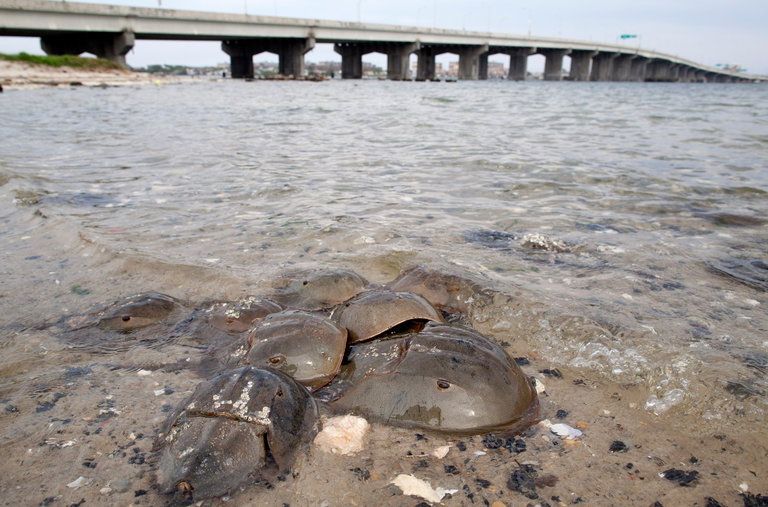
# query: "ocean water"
x,y
624,226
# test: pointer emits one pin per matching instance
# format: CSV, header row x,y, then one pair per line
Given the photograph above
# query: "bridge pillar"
x,y
398,59
553,65
580,63
658,70
674,72
602,65
639,68
482,70
291,55
110,46
351,59
622,67
289,51
240,58
518,63
425,70
470,62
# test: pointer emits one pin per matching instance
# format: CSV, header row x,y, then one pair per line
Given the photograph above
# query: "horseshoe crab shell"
x,y
240,316
142,319
451,379
372,357
321,290
309,347
218,438
447,292
137,311
374,312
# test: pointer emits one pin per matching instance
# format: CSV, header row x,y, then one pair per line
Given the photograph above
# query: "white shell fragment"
x,y
562,430
77,482
343,435
441,451
411,485
565,431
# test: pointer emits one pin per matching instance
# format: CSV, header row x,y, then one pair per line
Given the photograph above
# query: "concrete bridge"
x,y
111,31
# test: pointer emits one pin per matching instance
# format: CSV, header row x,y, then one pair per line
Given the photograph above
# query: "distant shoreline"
x,y
15,75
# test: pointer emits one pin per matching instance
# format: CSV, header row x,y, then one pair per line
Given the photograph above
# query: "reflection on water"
x,y
622,226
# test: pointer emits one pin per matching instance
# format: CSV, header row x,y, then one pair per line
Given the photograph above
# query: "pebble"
x,y
618,446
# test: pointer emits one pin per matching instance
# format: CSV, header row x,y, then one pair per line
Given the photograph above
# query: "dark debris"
x,y
681,477
752,500
618,446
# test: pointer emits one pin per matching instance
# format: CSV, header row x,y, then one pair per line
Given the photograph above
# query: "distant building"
x,y
496,70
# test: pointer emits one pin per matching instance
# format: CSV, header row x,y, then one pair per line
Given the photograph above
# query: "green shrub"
x,y
74,62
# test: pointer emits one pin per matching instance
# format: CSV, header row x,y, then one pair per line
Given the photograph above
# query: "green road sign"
x,y
628,36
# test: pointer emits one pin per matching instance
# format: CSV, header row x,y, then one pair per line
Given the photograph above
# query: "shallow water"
x,y
622,227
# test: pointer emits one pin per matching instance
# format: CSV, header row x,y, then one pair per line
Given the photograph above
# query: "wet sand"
x,y
24,76
78,425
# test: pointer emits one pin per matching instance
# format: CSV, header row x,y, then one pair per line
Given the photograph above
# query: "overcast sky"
x,y
706,31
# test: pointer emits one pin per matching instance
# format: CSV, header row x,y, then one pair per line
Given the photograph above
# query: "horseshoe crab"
x,y
137,318
450,379
137,311
321,290
447,292
240,316
374,312
372,357
307,346
221,330
218,438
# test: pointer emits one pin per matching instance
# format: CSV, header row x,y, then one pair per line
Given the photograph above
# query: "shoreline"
x,y
25,76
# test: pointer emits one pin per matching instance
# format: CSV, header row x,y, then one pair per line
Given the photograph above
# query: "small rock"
x,y
561,414
618,446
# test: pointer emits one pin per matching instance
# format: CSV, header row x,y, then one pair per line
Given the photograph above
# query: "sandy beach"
x,y
20,76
